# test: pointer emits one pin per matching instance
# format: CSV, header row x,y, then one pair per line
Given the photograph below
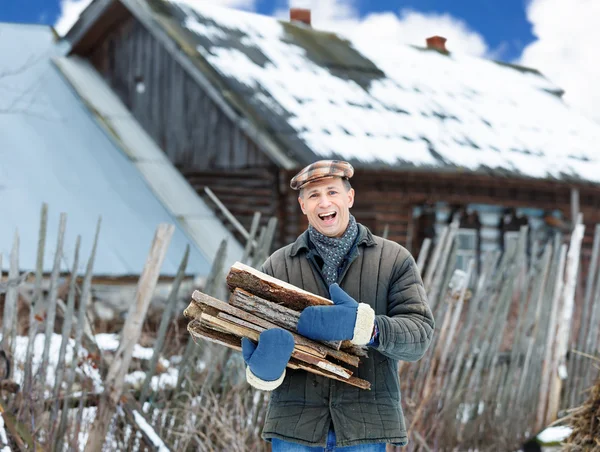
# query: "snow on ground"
x,y
554,434
85,366
89,415
106,343
110,342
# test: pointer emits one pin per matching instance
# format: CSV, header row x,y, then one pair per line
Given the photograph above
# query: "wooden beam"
x,y
199,331
274,312
199,299
272,289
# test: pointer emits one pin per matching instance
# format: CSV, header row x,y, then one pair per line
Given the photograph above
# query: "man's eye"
x,y
333,192
314,195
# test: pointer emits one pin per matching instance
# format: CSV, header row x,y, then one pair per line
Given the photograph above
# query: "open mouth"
x,y
328,217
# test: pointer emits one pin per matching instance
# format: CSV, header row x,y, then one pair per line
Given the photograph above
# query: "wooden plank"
x,y
53,293
272,289
37,299
274,312
354,381
322,364
198,331
243,323
131,331
195,309
66,334
225,326
165,321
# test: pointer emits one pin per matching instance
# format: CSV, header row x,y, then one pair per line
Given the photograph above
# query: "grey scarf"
x,y
333,249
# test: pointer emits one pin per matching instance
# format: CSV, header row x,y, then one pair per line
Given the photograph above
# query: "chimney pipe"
x,y
300,15
437,43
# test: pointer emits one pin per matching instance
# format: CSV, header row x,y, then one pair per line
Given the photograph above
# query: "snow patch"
x,y
149,431
554,434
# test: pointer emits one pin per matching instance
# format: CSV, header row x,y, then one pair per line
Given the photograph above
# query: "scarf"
x,y
333,249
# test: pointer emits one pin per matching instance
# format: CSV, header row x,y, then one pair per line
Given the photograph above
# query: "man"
x,y
379,301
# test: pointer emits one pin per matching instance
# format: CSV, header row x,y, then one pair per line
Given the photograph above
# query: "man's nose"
x,y
324,201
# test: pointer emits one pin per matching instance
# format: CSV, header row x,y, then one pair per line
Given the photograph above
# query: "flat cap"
x,y
321,170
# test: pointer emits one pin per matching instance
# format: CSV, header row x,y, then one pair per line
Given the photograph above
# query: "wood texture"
x,y
198,331
272,289
274,312
132,329
253,332
199,299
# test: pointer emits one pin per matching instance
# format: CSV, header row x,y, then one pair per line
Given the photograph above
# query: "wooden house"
x,y
240,102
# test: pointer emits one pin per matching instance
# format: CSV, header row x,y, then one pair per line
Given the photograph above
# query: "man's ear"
x,y
301,202
350,197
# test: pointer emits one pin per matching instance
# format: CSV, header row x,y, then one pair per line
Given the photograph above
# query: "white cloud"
x,y
566,51
406,26
69,13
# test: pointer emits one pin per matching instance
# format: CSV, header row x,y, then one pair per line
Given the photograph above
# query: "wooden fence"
x,y
501,366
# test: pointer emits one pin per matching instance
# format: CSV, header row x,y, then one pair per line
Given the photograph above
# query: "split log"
x,y
259,329
277,301
280,315
195,309
198,331
272,289
210,321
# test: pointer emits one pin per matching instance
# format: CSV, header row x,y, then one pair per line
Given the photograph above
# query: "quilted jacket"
x,y
383,274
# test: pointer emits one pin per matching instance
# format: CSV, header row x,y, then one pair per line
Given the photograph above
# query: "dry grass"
x,y
585,422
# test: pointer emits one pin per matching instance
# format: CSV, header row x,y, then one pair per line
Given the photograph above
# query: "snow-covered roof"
x,y
53,151
321,96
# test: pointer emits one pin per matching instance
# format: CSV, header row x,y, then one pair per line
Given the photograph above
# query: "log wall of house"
x,y
244,192
190,128
200,140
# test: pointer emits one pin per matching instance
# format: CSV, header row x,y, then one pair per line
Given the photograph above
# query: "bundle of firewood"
x,y
259,302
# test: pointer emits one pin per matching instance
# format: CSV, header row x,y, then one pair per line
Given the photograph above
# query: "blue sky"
x,y
557,37
503,24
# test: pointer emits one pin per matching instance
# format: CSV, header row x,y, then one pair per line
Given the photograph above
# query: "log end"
x,y
193,311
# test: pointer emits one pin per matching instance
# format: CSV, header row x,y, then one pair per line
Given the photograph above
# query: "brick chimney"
x,y
437,43
300,15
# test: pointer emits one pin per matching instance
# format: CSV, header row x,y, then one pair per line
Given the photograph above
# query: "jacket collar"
x,y
365,237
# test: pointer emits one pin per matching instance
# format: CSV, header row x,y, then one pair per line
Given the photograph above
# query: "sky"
x,y
557,37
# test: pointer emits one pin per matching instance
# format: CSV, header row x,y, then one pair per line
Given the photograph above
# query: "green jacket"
x,y
384,275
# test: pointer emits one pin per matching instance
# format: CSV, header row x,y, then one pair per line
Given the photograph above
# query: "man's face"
x,y
327,204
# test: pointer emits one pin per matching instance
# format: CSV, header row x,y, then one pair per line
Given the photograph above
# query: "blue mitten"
x,y
267,360
345,320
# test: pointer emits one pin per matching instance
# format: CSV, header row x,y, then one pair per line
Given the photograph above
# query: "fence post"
x,y
131,332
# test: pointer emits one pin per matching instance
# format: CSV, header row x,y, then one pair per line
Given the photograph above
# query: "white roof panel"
x,y
52,151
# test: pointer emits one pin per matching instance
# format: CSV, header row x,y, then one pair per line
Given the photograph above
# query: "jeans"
x,y
279,445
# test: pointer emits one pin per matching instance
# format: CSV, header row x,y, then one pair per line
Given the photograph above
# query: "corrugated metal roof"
x,y
324,97
52,151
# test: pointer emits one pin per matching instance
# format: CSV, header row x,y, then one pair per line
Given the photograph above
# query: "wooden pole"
x,y
131,332
66,334
164,324
37,298
53,292
564,326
